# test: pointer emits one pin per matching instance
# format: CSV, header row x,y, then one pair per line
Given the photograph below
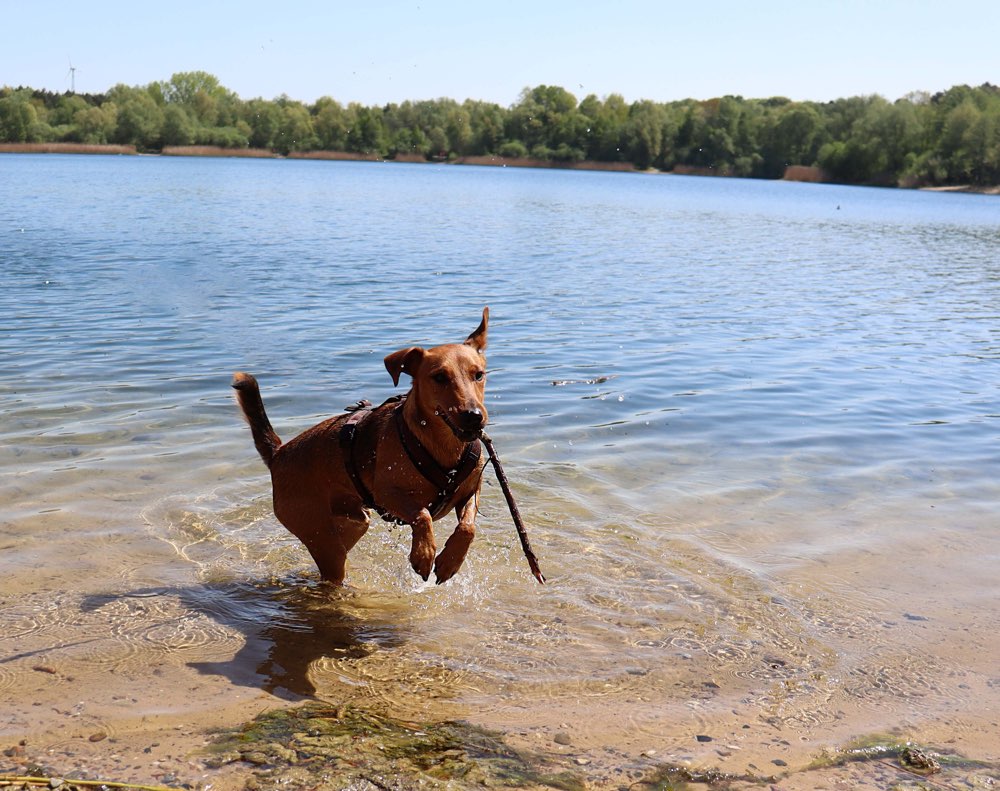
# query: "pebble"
x,y
703,738
779,762
562,738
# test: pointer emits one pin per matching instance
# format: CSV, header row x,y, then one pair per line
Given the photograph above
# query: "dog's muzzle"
x,y
464,423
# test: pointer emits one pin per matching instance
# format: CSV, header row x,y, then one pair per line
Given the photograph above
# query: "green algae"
x,y
334,747
906,754
326,747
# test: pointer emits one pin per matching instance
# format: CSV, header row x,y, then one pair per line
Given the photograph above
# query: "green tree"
x,y
96,125
644,134
264,119
177,129
18,117
545,119
487,121
295,128
66,109
792,137
605,128
140,118
458,129
970,141
367,133
330,125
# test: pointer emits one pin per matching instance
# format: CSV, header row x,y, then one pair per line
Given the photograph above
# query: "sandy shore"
x,y
327,746
965,188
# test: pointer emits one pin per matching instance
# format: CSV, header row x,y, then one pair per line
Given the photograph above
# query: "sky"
x,y
381,52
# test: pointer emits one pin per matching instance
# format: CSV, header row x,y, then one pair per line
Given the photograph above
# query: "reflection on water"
x,y
754,436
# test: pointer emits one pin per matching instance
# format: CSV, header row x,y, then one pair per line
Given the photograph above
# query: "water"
x,y
753,428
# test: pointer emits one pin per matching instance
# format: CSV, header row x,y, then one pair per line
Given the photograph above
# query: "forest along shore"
x,y
803,173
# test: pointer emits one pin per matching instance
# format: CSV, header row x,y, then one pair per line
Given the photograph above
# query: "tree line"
x,y
951,137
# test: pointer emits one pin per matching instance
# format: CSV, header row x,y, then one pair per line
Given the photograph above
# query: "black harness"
x,y
445,481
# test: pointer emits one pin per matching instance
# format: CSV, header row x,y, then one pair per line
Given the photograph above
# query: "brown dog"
x,y
413,459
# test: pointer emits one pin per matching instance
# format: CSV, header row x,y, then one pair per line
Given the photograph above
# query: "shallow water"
x,y
753,428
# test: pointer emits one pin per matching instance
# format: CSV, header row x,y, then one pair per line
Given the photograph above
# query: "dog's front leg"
x,y
422,548
450,560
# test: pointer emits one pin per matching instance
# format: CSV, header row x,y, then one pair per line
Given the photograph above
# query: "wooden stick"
x,y
6,780
515,514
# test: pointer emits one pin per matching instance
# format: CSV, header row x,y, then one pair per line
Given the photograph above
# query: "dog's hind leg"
x,y
328,537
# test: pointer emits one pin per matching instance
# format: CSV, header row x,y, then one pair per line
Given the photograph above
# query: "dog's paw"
x,y
450,560
422,560
443,571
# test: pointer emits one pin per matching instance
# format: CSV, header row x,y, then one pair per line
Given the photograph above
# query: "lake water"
x,y
754,429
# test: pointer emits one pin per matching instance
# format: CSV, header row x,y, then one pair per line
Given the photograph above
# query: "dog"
x,y
413,460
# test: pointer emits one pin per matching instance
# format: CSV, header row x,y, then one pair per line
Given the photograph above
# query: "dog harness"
x,y
445,481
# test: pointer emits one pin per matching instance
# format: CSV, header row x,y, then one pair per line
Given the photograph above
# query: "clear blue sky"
x,y
375,53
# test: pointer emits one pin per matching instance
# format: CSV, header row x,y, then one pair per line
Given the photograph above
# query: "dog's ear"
x,y
404,361
478,339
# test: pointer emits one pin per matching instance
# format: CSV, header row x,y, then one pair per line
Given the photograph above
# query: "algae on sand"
x,y
330,747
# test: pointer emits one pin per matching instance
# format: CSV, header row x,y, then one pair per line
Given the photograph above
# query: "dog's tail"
x,y
248,397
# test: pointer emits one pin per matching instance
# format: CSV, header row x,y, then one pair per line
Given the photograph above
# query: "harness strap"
x,y
445,481
358,412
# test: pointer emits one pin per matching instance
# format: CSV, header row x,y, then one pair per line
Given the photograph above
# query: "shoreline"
x,y
799,173
328,745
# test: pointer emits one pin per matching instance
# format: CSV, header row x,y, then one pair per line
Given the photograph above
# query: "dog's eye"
x,y
480,375
440,378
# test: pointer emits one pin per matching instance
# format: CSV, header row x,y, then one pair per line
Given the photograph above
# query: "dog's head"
x,y
449,382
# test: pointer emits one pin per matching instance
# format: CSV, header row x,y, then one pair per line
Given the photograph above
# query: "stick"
x,y
47,782
515,514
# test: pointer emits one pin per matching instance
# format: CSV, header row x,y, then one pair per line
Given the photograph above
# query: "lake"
x,y
753,428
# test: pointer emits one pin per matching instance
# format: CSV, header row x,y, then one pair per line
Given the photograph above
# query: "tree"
x,y
295,129
96,124
644,134
17,117
177,129
546,118
367,134
458,129
605,128
264,119
791,138
487,120
330,125
66,109
140,118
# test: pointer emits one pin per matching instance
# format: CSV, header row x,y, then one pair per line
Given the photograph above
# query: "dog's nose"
x,y
471,419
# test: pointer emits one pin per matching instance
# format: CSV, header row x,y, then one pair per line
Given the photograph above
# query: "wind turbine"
x,y
72,75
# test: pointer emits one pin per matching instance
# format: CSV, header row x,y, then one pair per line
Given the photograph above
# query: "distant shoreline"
x,y
801,173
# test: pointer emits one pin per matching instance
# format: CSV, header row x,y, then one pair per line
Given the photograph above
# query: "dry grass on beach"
x,y
64,148
216,151
346,156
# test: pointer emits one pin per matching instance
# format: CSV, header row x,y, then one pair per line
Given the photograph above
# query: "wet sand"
x,y
91,699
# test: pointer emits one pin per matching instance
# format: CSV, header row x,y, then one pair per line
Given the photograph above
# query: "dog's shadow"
x,y
286,627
